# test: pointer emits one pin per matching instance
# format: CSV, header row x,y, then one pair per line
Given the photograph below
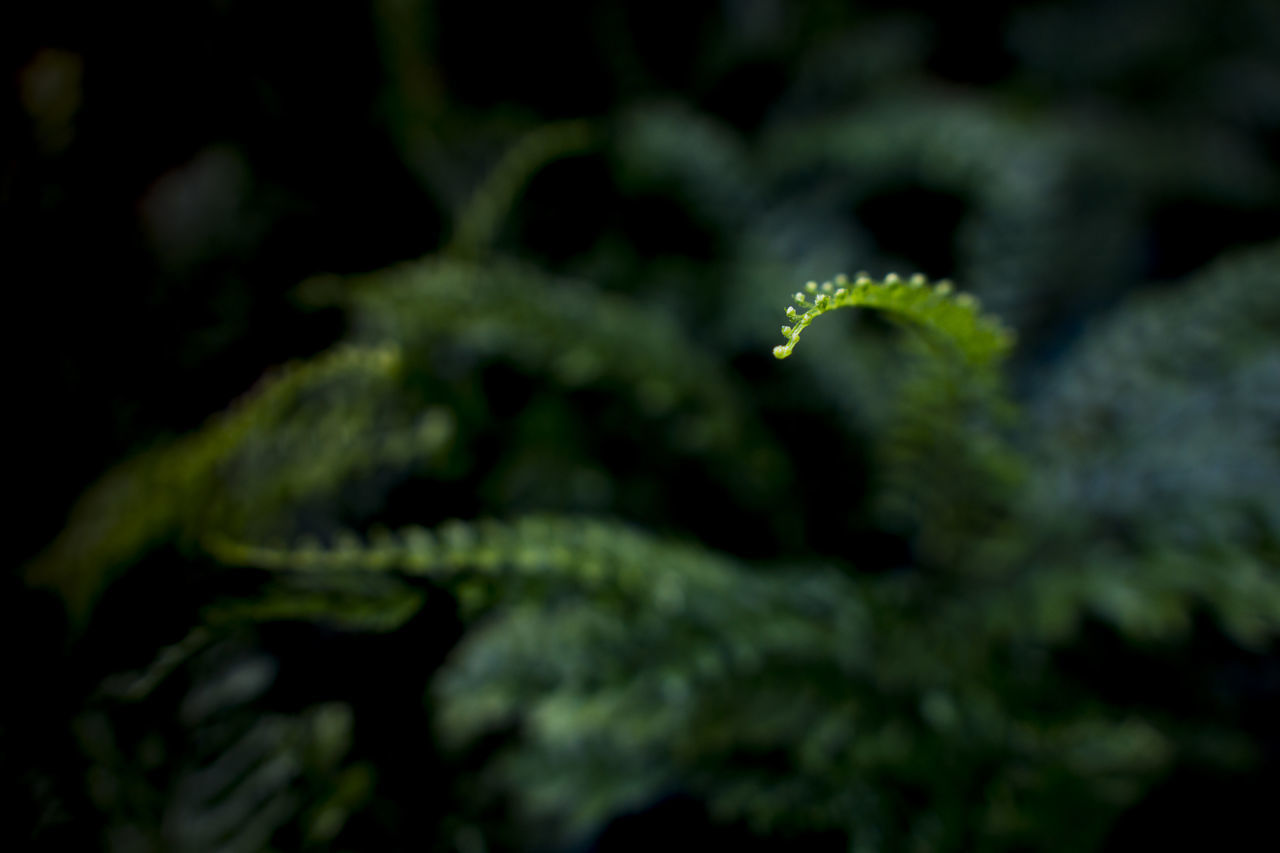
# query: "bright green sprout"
x,y
980,339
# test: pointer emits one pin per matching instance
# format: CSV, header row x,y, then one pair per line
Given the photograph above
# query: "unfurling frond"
x,y
947,469
978,338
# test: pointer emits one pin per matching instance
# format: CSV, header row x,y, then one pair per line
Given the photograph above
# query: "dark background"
x,y
171,172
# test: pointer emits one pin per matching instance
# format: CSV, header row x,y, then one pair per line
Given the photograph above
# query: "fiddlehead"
x,y
980,339
946,466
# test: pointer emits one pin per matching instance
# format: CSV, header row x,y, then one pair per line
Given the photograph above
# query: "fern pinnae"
x,y
166,492
980,339
591,552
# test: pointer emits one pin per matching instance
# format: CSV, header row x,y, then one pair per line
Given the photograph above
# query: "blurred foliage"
x,y
529,544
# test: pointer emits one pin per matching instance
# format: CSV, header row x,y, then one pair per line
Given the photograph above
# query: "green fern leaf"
x,y
981,340
166,493
947,469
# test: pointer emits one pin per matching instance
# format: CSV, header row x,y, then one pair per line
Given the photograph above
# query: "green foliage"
x,y
309,427
570,331
612,664
1137,480
628,664
580,545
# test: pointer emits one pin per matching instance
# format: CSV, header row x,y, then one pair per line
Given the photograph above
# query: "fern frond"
x,y
946,466
169,492
582,553
606,642
579,335
956,318
1160,510
1149,597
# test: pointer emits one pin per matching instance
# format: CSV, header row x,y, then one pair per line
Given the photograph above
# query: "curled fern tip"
x,y
957,316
